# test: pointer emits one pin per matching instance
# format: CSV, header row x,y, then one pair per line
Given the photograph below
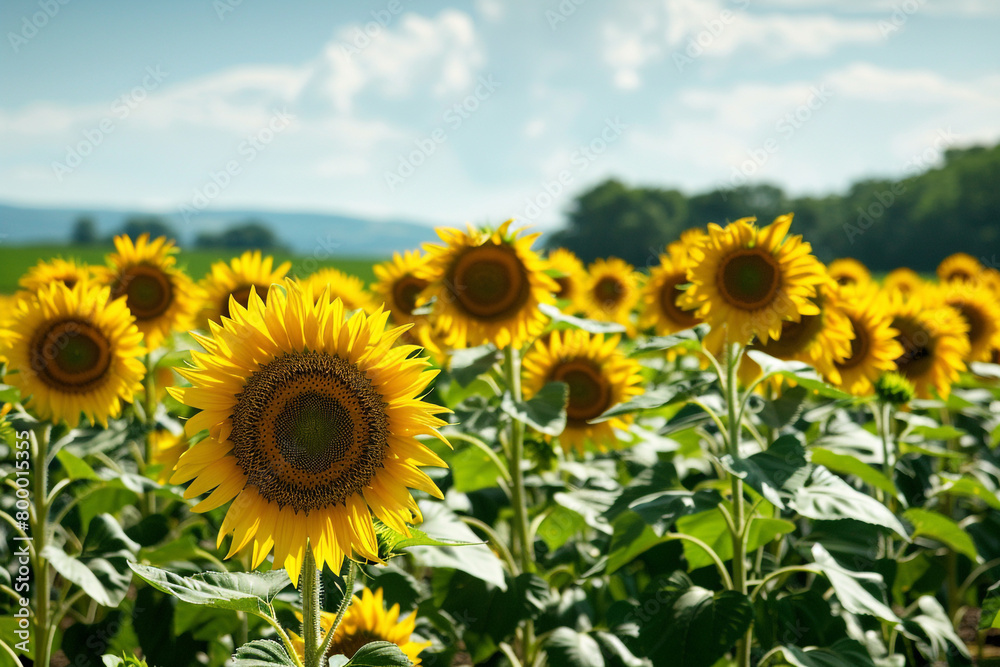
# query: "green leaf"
x,y
968,487
829,497
613,646
784,409
590,326
559,525
711,528
773,473
472,469
75,467
796,371
101,569
664,395
932,629
990,617
9,394
847,464
692,626
262,653
937,432
566,647
378,654
467,364
661,510
545,412
852,588
250,592
175,359
443,524
941,528
687,338
631,537
394,542
843,653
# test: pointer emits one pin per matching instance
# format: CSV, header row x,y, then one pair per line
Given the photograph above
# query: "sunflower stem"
x,y
311,608
149,407
733,403
352,570
38,534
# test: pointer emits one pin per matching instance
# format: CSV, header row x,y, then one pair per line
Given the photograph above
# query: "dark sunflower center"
x,y
795,337
405,292
68,281
918,347
71,355
565,287
350,644
844,279
148,291
669,294
959,275
490,282
749,279
589,392
242,296
309,430
860,345
609,291
975,319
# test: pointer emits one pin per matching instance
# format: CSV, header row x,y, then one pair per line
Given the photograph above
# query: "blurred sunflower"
x,y
66,271
312,422
399,285
979,308
568,272
849,271
74,350
690,238
746,282
235,279
160,297
659,298
960,266
165,449
904,281
874,348
487,287
344,286
365,621
934,342
598,377
610,291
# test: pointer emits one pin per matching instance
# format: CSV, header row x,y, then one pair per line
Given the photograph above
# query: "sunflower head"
x,y
690,238
568,272
312,423
660,294
611,291
66,271
349,289
487,287
166,448
399,285
874,348
848,271
894,389
235,279
960,267
75,351
367,620
978,306
903,281
598,376
160,297
934,340
746,282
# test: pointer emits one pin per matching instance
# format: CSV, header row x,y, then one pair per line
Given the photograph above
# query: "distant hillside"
x,y
311,234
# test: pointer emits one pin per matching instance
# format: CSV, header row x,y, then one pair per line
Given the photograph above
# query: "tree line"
x,y
251,234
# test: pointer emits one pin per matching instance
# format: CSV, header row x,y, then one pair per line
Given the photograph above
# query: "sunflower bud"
x,y
894,388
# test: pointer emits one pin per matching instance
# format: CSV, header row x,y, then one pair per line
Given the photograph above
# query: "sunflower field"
x,y
495,455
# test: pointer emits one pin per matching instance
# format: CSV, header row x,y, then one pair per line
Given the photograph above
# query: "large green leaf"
x,y
660,510
473,469
590,326
101,569
783,410
250,592
545,412
711,528
467,364
829,497
774,473
692,626
932,630
631,537
848,464
798,372
968,487
843,653
262,653
853,588
374,654
566,647
443,524
939,527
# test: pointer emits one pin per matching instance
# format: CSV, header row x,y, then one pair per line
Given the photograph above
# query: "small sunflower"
x,y
934,341
848,271
399,285
75,351
978,307
66,271
659,298
349,289
487,287
874,348
367,620
235,279
903,281
166,448
312,423
746,282
568,272
610,291
690,238
598,375
160,297
959,267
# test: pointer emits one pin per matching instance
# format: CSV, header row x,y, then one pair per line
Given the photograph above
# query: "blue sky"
x,y
478,111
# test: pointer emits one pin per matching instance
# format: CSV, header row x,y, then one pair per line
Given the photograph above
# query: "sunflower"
x,y
874,348
904,281
160,297
568,272
349,289
312,422
235,279
659,298
611,290
849,271
819,340
487,287
934,341
166,448
367,620
978,306
598,377
959,267
690,238
399,285
67,271
746,281
75,351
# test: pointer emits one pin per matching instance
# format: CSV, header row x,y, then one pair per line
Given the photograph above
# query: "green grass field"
x,y
16,260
